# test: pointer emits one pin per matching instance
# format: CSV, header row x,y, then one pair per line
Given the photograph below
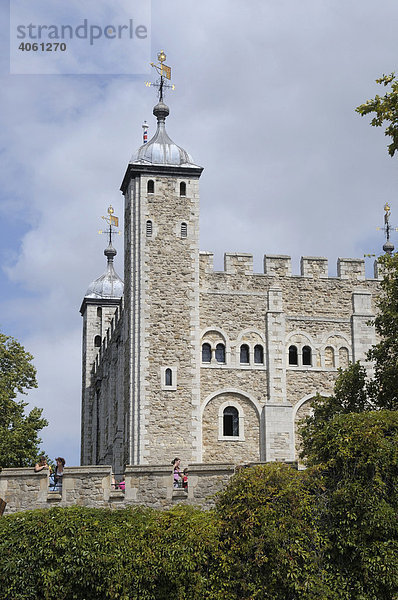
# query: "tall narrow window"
x,y
293,356
149,228
99,312
343,358
307,358
329,357
244,354
258,354
97,341
168,377
183,188
220,353
231,421
150,188
184,230
206,353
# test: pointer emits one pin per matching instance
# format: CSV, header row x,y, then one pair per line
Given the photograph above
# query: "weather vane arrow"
x,y
112,222
165,73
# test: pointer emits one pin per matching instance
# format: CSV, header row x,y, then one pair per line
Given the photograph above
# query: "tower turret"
x,y
161,190
103,297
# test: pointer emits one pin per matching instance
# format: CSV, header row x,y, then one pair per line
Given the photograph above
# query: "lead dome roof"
x,y
109,285
161,150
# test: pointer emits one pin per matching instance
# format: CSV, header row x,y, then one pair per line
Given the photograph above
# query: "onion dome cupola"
x,y
161,150
160,154
108,288
109,285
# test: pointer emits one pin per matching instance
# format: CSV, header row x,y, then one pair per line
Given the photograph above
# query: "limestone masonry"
x,y
212,367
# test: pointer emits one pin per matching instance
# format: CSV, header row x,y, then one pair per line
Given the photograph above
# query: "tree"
x,y
270,536
383,389
358,457
350,396
386,109
19,441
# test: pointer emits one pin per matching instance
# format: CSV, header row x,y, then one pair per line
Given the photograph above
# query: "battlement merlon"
x,y
280,265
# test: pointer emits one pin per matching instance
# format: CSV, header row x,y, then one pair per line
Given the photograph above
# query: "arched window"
x,y
258,354
97,341
99,312
293,357
244,354
343,357
150,188
168,377
231,421
220,353
183,188
149,228
329,357
184,230
307,358
206,353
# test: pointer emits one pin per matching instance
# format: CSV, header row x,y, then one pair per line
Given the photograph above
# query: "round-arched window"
x,y
206,353
231,421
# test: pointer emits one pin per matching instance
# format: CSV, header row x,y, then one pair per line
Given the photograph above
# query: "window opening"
x,y
244,354
150,188
206,353
231,421
149,228
258,354
168,377
97,341
307,356
293,356
220,353
184,230
183,188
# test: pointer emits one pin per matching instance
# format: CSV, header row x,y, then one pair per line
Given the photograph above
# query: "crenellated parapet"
x,y
313,267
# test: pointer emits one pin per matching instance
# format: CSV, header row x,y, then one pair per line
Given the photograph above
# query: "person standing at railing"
x,y
42,464
59,472
185,478
176,472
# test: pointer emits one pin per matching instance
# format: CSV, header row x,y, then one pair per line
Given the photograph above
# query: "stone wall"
x,y
91,486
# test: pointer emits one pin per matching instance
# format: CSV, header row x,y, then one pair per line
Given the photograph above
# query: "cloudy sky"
x,y
264,101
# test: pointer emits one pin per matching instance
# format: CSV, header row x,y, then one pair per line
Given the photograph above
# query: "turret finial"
x,y
110,251
388,246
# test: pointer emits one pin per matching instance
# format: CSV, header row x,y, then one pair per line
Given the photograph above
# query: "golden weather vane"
x,y
388,246
112,221
165,72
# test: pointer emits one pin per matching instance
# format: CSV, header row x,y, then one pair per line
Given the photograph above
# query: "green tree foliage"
x,y
131,554
354,392
359,515
383,389
326,533
385,109
271,540
350,396
19,441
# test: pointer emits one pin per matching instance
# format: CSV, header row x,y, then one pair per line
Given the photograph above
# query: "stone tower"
x,y
102,299
161,300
